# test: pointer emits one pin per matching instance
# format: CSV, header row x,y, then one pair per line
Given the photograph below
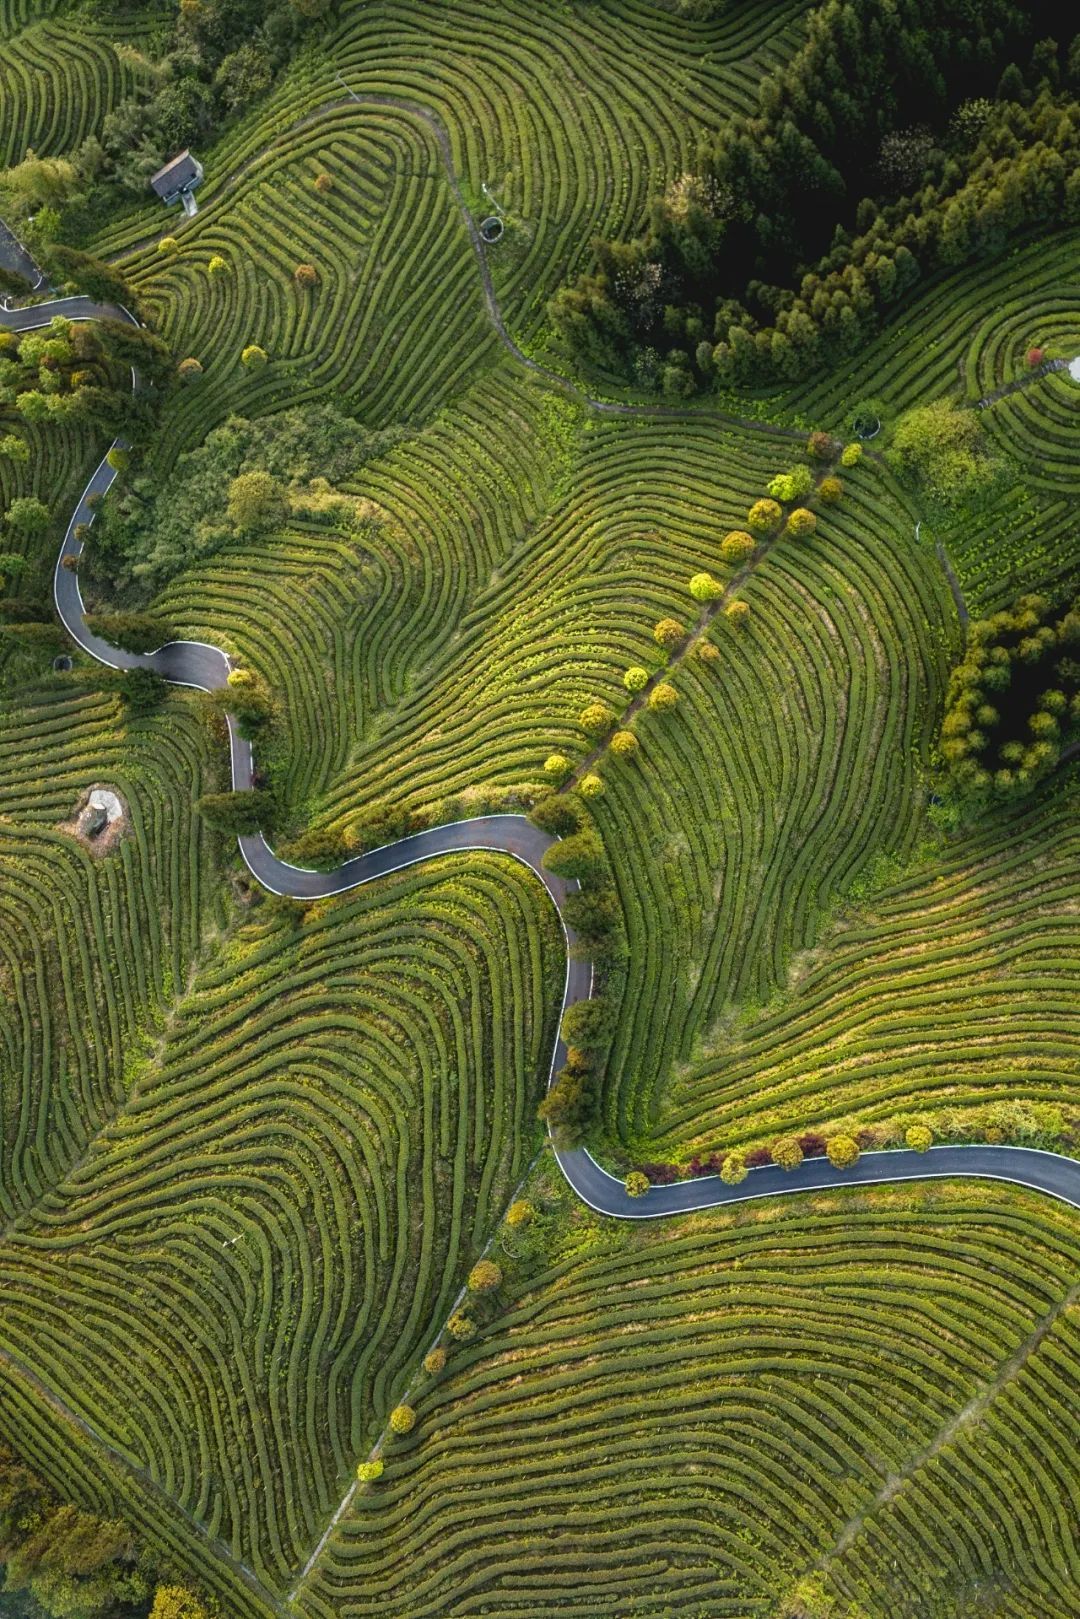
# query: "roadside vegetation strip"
x,y
692,1418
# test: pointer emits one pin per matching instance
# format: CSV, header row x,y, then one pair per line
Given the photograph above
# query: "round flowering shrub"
x,y
851,455
763,516
368,1472
793,485
636,1183
323,183
635,678
737,613
663,697
461,1326
305,275
591,786
668,633
188,370
484,1276
708,652
801,522
704,588
737,546
254,357
557,764
403,1419
596,718
1035,356
623,744
435,1360
168,245
787,1153
919,1137
830,490
217,265
843,1151
520,1212
733,1170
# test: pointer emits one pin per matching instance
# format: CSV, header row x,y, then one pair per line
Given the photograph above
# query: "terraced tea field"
x,y
394,265
346,624
955,987
965,336
251,1146
549,115
697,1417
231,1284
93,951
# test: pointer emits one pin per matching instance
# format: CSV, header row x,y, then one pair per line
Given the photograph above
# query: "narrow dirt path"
x,y
1020,382
953,581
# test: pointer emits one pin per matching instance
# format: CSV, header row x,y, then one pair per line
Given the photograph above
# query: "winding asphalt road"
x,y
197,664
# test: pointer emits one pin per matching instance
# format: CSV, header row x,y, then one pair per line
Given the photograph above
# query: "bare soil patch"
x,y
99,820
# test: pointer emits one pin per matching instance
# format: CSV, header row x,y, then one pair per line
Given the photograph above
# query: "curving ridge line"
x,y
205,667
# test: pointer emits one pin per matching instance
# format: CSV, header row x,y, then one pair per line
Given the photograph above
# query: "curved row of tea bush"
x,y
692,1418
57,83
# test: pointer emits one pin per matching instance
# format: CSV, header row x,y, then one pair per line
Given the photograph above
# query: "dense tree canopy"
x,y
74,1564
890,105
75,372
942,451
239,481
1013,702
